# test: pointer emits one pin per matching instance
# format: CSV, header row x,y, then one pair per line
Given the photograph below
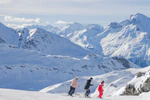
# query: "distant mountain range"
x,y
72,50
32,59
129,39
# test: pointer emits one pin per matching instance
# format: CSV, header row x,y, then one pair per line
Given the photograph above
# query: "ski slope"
x,y
7,94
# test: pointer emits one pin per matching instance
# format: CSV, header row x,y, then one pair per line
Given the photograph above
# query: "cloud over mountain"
x,y
24,20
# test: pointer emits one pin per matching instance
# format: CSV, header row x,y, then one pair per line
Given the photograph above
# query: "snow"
x,y
49,43
86,38
7,94
114,81
129,39
114,86
31,70
8,35
139,81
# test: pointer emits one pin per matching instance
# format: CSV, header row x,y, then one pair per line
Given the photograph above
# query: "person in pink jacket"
x,y
100,89
74,84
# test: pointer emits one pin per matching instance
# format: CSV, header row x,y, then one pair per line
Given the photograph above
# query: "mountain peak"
x,y
138,15
139,18
38,31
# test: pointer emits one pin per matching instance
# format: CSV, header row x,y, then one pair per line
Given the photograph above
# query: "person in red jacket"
x,y
100,89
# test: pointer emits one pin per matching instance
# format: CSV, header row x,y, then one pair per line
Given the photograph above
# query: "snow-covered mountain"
x,y
31,70
86,38
129,39
49,43
8,35
81,34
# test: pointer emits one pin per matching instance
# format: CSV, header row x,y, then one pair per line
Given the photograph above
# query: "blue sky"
x,y
63,11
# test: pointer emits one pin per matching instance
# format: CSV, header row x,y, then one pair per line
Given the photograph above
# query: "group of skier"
x,y
74,84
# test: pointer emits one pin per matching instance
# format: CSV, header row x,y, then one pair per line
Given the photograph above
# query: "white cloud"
x,y
16,19
61,22
15,26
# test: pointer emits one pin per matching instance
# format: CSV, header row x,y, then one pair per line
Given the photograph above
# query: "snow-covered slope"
x,y
8,35
130,39
30,70
7,94
115,83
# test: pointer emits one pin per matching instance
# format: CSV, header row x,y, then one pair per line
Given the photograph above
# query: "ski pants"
x,y
87,92
100,95
71,91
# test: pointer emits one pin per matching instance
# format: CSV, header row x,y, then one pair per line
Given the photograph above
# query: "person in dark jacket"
x,y
87,87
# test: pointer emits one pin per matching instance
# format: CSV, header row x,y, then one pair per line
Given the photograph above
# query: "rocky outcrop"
x,y
130,90
140,84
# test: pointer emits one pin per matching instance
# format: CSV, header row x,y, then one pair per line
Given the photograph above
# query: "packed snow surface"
x,y
7,94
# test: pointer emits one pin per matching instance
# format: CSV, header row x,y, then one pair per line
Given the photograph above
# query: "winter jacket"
x,y
74,83
100,88
88,84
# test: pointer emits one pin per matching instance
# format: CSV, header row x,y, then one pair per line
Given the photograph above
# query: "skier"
x,y
100,89
87,87
74,84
